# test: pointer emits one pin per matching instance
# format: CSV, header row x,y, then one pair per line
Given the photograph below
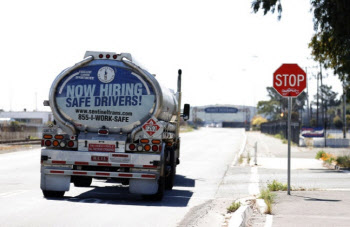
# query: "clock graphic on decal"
x,y
105,74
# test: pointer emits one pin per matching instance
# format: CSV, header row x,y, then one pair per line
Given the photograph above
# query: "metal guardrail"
x,y
22,141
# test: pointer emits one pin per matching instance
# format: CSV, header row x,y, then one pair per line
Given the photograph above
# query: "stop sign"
x,y
289,80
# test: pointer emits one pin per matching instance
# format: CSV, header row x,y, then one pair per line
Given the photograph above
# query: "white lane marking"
x,y
253,187
269,220
12,193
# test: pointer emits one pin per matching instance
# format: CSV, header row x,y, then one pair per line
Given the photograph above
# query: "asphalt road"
x,y
206,156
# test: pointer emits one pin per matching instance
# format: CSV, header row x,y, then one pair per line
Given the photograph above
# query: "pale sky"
x,y
227,53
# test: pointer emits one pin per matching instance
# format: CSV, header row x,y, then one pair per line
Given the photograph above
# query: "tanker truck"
x,y
112,120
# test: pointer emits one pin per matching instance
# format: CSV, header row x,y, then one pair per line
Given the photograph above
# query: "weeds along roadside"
x,y
327,158
268,196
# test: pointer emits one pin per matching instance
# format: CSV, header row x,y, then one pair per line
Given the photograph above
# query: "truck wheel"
x,y
53,194
82,181
171,167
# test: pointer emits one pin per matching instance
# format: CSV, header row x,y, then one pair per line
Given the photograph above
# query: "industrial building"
x,y
233,116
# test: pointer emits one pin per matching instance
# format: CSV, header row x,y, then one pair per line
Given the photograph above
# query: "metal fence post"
x,y
256,154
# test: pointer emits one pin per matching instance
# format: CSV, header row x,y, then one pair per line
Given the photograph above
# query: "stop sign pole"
x,y
289,80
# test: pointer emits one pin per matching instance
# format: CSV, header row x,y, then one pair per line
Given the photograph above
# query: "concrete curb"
x,y
261,205
240,216
235,160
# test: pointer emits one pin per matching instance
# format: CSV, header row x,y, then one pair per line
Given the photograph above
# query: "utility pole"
x,y
323,110
344,109
307,100
317,102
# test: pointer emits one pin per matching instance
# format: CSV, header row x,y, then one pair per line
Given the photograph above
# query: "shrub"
x,y
277,186
320,154
343,161
279,136
240,160
233,207
257,121
268,197
329,158
337,121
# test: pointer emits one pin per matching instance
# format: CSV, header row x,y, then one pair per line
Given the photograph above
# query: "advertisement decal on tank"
x,y
98,95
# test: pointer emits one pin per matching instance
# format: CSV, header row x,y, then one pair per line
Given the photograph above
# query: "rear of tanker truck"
x,y
112,120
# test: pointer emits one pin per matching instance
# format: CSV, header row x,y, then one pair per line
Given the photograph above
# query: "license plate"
x,y
99,158
120,158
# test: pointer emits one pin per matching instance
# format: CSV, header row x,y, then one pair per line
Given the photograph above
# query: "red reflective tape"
x,y
104,164
125,175
126,165
81,163
103,174
58,162
120,155
148,176
79,172
149,166
56,171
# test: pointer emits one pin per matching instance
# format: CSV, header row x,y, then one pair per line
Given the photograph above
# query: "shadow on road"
x,y
118,194
306,198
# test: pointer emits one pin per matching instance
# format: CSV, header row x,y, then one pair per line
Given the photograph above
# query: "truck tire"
x,y
53,194
82,181
171,171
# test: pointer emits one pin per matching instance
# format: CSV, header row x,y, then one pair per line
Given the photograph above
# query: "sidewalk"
x,y
321,197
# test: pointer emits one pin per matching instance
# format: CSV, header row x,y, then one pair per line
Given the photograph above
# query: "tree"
x,y
337,121
328,96
272,108
277,105
331,43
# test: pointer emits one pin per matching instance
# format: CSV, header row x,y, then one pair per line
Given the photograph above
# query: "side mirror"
x,y
186,113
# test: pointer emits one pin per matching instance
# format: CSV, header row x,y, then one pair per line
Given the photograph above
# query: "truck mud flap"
x,y
54,182
145,187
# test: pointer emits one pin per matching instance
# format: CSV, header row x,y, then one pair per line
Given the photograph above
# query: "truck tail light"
x,y
47,136
48,143
62,144
42,143
147,147
103,132
132,147
156,141
139,147
55,143
70,143
154,148
144,140
59,137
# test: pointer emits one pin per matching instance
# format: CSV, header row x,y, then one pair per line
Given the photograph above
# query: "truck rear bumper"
x,y
126,160
98,164
99,174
